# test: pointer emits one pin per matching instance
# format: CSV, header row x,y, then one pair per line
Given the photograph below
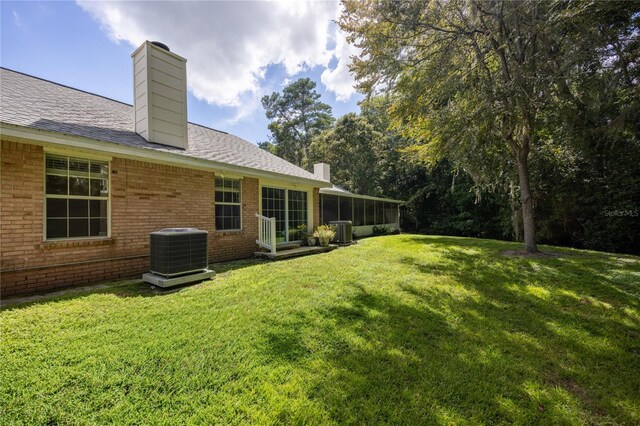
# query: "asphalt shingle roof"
x,y
40,104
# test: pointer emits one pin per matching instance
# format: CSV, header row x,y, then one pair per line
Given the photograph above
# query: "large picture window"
x,y
228,204
77,197
290,208
274,205
297,215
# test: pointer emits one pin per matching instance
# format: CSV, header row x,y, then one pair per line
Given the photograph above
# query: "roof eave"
x,y
147,154
330,191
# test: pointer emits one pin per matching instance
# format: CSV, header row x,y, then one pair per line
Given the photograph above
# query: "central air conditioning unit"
x,y
178,256
344,231
177,251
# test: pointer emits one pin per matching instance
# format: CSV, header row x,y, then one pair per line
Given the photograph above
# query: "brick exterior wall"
x,y
316,207
145,197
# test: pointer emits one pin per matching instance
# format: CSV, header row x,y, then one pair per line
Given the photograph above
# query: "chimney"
x,y
322,170
160,95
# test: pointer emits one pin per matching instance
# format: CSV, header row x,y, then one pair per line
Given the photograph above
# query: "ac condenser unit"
x,y
344,231
178,251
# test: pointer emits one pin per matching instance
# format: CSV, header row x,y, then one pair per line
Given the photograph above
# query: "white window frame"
x,y
306,222
80,156
268,184
239,203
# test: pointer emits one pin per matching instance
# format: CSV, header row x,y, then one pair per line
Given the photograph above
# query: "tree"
x,y
351,147
471,79
297,115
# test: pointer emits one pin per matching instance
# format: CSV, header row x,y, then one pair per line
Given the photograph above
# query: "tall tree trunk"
x,y
516,212
522,161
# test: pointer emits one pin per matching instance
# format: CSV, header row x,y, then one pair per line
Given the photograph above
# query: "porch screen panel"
x,y
390,213
330,205
77,197
297,214
345,208
379,212
370,212
358,212
274,205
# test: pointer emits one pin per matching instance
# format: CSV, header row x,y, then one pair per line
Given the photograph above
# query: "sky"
x,y
236,52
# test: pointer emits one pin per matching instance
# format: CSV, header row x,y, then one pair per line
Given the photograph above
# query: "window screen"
x,y
330,206
346,208
358,212
370,212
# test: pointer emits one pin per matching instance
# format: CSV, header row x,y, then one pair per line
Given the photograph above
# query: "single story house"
x,y
85,179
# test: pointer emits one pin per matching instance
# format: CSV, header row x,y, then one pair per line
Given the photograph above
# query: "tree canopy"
x,y
476,81
297,115
351,147
462,96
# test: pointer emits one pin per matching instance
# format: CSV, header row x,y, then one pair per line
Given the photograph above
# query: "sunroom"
x,y
365,212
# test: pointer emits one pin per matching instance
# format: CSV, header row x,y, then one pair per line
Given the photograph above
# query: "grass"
x,y
405,330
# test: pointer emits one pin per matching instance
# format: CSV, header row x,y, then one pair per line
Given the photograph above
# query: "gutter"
x,y
330,191
44,137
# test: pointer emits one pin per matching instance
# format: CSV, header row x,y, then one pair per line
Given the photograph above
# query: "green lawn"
x,y
404,329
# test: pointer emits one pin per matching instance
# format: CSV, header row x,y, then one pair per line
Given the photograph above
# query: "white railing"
x,y
266,232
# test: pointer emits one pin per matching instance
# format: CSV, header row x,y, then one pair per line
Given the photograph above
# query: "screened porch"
x,y
364,212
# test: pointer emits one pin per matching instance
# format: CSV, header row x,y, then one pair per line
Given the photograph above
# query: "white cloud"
x,y
16,19
339,80
229,45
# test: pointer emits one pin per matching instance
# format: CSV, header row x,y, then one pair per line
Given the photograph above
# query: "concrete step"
x,y
294,252
287,246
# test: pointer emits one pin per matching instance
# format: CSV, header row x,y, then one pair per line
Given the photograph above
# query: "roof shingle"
x,y
40,104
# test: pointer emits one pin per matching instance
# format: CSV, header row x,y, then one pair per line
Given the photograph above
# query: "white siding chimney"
x,y
160,95
322,170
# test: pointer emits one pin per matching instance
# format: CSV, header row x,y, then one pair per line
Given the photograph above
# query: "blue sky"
x,y
236,52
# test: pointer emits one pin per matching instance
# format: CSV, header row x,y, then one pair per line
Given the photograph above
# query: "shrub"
x,y
325,233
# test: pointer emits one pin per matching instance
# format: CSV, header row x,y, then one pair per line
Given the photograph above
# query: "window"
x,y
274,204
297,214
290,208
228,204
77,197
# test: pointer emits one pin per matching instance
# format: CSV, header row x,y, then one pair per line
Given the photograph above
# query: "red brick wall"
x,y
48,278
21,189
144,197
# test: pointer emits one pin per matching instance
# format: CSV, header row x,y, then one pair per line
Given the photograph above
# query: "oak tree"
x,y
470,80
